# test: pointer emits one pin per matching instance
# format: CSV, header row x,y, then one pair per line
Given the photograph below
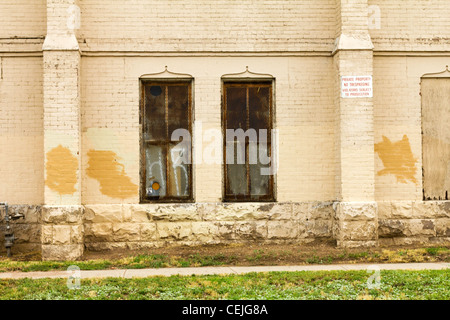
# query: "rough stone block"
x,y
126,232
61,235
77,234
316,229
148,231
102,232
442,227
62,252
136,213
391,228
443,208
174,230
384,210
356,211
250,230
225,230
419,227
238,211
282,230
32,214
47,234
103,213
401,210
173,212
205,231
425,210
320,210
62,214
358,230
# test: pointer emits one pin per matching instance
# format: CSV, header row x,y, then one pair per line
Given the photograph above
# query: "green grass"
x,y
350,285
132,262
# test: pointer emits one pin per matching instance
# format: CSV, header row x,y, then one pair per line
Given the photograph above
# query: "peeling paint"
x,y
397,159
104,167
61,168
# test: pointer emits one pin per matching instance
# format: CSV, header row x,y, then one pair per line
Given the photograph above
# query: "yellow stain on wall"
x,y
104,167
61,168
398,159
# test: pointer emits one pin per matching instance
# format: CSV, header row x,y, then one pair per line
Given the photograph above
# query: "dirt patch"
x,y
286,254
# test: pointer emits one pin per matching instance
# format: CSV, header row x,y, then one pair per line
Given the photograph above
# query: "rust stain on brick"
x,y
61,168
398,159
104,167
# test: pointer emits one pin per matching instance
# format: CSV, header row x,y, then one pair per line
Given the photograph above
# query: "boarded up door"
x,y
436,138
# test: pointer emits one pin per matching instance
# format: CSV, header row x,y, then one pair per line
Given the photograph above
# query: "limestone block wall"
x,y
130,226
414,222
62,232
27,231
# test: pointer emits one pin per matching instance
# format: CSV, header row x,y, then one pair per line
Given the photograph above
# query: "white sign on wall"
x,y
356,87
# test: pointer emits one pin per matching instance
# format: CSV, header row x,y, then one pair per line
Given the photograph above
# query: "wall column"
x,y
62,222
356,211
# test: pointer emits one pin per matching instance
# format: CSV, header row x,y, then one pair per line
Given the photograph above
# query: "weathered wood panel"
x,y
436,137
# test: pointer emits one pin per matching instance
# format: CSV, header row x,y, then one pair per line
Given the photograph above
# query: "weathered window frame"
x,y
165,78
249,79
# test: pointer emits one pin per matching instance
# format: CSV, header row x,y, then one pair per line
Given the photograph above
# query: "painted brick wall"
x,y
23,18
21,130
211,25
397,113
304,117
412,25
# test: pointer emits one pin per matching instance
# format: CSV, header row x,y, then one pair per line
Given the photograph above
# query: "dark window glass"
x,y
166,172
247,107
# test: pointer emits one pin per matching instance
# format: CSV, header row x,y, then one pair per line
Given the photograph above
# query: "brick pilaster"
x,y
356,214
62,195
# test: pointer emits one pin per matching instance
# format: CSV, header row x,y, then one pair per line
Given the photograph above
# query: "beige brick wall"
x,y
62,127
412,25
397,112
21,130
304,117
207,25
305,85
23,18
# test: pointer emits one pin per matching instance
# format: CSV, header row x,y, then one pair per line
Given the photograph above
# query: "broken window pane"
x,y
156,171
167,107
178,171
259,184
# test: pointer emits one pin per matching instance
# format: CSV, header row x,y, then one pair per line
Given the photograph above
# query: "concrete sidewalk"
x,y
143,273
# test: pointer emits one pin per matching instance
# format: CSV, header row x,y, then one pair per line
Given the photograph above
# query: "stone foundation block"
x,y
282,230
355,224
62,252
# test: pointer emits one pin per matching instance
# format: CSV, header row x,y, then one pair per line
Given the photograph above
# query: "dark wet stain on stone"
x,y
266,207
427,224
